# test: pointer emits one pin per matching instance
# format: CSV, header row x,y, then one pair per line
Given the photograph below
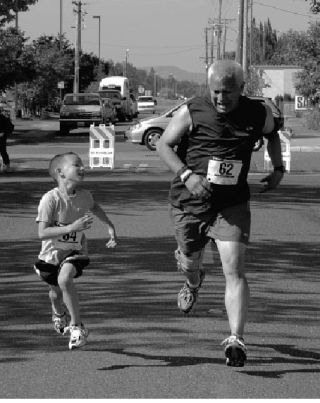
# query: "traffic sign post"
x,y
101,147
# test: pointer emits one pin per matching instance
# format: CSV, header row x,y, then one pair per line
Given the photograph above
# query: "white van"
x,y
120,84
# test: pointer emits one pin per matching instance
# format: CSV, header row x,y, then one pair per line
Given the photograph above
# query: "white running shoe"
x,y
235,351
187,296
78,336
60,322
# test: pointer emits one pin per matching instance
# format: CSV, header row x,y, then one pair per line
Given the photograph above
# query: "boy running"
x,y
62,218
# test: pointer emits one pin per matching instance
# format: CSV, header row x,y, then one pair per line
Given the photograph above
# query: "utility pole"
x,y
216,25
245,37
239,53
206,58
212,46
60,37
251,33
219,32
15,84
77,47
224,41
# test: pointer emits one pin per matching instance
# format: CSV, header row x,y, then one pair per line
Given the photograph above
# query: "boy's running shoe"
x,y
235,351
60,322
187,296
78,336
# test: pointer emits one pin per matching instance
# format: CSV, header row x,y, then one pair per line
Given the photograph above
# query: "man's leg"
x,y
191,240
190,267
232,255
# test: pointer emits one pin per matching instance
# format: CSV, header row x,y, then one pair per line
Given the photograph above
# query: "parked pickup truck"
x,y
81,110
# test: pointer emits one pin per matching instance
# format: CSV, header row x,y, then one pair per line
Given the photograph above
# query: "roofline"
x,y
278,67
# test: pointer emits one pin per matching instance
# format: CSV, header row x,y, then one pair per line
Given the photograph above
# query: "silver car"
x,y
149,130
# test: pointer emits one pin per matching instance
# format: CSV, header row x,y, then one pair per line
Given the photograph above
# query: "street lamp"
x,y
126,63
99,18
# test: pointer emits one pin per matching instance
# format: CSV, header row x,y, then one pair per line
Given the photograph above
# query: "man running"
x,y
208,146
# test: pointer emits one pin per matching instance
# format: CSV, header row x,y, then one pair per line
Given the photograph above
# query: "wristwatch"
x,y
280,168
186,175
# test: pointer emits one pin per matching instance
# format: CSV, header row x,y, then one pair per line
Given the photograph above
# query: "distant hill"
x,y
178,74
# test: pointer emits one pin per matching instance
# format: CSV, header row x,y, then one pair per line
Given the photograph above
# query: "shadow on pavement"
x,y
134,287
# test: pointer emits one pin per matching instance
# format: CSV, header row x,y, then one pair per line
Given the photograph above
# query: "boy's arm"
x,y
99,212
46,230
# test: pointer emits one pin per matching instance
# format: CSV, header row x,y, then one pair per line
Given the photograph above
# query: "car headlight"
x,y
136,126
65,114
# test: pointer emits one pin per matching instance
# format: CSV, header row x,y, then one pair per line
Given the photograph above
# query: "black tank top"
x,y
227,136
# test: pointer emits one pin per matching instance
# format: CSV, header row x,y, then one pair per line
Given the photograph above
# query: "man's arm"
x,y
180,125
274,150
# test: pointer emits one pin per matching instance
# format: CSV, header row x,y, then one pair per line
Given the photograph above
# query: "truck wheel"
x,y
151,138
121,117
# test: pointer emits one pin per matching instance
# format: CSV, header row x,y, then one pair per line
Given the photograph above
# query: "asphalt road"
x,y
140,346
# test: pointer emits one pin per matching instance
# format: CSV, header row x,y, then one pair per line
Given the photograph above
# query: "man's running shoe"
x,y
60,322
78,336
235,351
187,296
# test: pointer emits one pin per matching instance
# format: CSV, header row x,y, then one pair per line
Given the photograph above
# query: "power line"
x,y
281,9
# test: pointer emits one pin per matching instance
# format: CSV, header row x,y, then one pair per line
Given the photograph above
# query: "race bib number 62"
x,y
223,172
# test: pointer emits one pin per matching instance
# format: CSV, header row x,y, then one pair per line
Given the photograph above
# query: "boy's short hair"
x,y
56,162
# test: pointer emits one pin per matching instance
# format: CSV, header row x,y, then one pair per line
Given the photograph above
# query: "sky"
x,y
156,32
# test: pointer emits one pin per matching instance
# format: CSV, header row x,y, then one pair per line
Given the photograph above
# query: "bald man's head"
x,y
226,81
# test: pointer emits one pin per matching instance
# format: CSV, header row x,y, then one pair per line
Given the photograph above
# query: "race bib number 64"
x,y
223,172
69,241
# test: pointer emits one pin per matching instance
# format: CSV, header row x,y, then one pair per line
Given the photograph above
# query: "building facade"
x,y
278,80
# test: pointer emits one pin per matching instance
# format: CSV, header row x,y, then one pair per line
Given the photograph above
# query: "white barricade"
x,y
101,149
286,151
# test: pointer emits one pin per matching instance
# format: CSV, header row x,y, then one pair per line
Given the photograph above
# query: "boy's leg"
x,y
56,298
70,295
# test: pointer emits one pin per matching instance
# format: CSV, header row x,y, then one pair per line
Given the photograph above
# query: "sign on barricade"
x,y
285,149
101,148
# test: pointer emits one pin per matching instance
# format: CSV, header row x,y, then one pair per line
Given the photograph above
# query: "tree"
x,y
314,6
254,83
309,78
15,64
264,42
51,65
8,9
292,48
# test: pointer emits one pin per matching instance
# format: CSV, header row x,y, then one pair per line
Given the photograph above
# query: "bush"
x,y
313,119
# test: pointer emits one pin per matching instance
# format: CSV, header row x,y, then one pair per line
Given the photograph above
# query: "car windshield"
x,y
110,94
145,99
81,100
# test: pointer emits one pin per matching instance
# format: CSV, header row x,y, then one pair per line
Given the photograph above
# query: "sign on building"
x,y
101,148
301,103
